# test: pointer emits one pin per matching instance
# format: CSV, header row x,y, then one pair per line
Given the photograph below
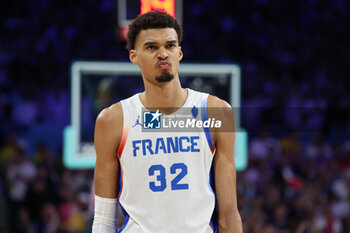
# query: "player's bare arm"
x,y
108,131
229,220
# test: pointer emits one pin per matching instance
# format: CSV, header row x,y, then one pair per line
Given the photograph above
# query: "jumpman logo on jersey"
x,y
137,121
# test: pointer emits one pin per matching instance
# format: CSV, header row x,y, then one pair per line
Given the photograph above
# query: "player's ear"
x,y
133,56
180,54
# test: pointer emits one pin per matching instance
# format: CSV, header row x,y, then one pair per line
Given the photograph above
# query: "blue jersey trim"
x,y
126,219
213,221
213,226
206,130
120,182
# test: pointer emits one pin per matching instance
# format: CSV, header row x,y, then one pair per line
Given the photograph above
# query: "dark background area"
x,y
294,57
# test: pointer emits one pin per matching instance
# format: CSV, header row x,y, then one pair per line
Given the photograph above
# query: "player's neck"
x,y
169,95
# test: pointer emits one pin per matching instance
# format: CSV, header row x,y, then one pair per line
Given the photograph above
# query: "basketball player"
x,y
162,180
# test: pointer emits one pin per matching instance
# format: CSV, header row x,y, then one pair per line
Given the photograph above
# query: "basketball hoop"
x,y
172,7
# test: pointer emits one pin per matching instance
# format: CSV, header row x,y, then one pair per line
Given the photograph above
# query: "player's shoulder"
x,y
216,102
212,101
110,116
221,110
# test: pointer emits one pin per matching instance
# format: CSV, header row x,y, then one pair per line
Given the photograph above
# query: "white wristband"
x,y
105,215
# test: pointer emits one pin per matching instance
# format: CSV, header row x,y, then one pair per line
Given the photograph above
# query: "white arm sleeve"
x,y
105,215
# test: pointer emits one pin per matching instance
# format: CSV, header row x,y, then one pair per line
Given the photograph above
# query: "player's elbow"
x,y
229,217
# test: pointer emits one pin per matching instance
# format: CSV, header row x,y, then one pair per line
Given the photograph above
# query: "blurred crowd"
x,y
295,185
293,55
37,194
291,185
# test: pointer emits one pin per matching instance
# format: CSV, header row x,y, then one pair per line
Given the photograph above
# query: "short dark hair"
x,y
151,20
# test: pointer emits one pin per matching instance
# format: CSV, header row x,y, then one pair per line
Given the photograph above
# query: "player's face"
x,y
158,54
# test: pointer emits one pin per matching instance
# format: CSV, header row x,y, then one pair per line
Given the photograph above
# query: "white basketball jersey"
x,y
165,176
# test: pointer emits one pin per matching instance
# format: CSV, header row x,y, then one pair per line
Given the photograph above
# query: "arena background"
x,y
294,58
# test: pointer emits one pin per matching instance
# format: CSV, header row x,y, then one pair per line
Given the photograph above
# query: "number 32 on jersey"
x,y
159,171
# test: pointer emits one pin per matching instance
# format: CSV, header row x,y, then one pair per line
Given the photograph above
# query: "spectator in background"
x,y
9,149
37,197
20,172
50,221
264,146
71,214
